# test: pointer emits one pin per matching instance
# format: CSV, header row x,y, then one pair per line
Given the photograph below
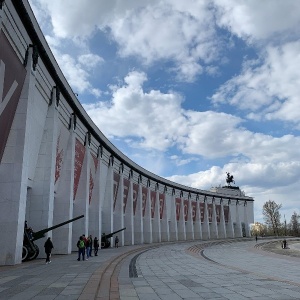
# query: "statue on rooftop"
x,y
229,179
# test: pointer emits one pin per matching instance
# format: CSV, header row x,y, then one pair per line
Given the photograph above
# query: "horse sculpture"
x,y
229,179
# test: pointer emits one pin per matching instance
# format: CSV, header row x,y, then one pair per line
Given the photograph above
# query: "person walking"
x,y
96,246
116,242
48,248
81,248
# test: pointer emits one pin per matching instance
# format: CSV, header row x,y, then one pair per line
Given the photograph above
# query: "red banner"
x,y
153,202
194,210
161,205
59,159
125,193
135,193
218,212
186,209
14,75
202,211
210,212
93,171
79,157
226,213
116,187
177,207
144,199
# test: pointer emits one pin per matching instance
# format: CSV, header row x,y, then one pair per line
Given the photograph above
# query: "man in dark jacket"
x,y
48,248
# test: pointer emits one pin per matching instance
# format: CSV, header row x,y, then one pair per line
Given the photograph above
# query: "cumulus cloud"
x,y
259,20
268,87
159,122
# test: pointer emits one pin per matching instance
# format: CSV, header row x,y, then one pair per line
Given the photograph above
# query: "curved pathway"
x,y
230,270
221,269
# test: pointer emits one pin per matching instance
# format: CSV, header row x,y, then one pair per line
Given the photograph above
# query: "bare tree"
x,y
294,224
272,215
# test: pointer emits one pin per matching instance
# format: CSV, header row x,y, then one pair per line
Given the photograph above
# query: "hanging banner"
x,y
135,193
125,193
218,212
185,209
79,157
153,202
194,210
64,137
93,171
161,205
202,211
116,187
177,207
226,213
210,212
12,75
144,199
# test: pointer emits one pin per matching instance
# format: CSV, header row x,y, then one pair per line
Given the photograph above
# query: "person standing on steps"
x,y
48,248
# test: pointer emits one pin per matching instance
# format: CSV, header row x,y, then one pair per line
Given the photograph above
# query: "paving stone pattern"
x,y
194,270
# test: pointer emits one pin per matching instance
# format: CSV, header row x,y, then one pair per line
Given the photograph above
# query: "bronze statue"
x,y
229,179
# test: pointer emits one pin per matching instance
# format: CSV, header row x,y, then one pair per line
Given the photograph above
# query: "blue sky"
x,y
190,89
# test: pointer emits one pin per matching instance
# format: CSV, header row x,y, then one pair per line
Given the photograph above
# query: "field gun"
x,y
105,242
30,249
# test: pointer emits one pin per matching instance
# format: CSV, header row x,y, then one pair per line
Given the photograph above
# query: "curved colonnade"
x,y
55,164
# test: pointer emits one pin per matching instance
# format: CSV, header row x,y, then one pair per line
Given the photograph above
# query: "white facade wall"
x,y
55,164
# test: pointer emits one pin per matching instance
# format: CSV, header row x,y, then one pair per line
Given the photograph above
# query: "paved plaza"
x,y
190,270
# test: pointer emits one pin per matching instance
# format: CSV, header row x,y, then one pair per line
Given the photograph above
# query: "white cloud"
x,y
152,31
257,20
268,88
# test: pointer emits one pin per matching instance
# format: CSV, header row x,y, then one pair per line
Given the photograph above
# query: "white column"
x,y
128,217
173,220
222,226
138,217
247,229
238,226
205,227
108,203
119,210
40,205
189,222
81,201
156,230
14,172
95,198
181,222
63,201
147,217
164,222
214,226
197,225
230,229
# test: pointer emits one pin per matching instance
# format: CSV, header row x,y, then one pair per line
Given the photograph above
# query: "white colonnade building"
x,y
55,164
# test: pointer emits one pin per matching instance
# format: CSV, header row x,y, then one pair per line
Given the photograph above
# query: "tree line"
x,y
273,224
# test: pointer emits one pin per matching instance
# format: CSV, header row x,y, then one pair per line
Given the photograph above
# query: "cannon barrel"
x,y
40,234
105,242
111,234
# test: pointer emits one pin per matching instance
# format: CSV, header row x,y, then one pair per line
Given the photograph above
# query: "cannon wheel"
x,y
24,253
34,253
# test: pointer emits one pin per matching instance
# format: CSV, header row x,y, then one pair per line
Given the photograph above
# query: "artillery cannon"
x,y
30,249
105,242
